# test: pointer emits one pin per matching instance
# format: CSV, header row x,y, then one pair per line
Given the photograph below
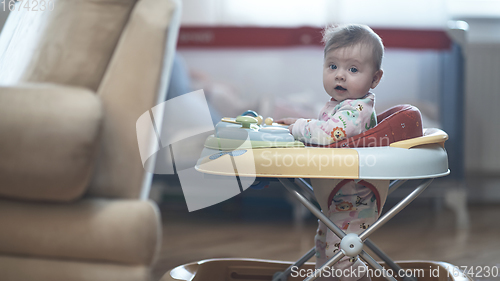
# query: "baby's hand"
x,y
287,121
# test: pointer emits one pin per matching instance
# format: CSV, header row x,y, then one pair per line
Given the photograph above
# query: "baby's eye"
x,y
333,66
353,70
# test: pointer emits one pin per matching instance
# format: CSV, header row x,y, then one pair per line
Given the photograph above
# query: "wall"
x,y
482,100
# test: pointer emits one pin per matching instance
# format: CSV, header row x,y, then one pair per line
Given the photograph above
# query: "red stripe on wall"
x,y
251,37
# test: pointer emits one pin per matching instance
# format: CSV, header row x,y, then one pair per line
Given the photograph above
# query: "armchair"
x,y
73,192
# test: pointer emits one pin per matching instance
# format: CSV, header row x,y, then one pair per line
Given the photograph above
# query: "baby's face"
x,y
349,73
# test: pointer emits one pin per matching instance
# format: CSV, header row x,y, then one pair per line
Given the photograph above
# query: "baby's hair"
x,y
341,36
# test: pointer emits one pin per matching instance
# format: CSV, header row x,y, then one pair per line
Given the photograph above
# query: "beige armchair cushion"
x,y
48,140
98,230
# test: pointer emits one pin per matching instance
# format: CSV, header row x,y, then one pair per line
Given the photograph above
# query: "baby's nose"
x,y
340,76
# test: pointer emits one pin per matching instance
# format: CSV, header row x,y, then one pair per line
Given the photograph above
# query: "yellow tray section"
x,y
285,163
303,162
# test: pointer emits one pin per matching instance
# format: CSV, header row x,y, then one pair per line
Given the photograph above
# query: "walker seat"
x,y
397,149
398,123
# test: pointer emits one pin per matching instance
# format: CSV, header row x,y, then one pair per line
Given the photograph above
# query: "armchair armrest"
x,y
48,138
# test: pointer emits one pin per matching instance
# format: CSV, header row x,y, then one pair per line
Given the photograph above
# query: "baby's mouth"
x,y
340,88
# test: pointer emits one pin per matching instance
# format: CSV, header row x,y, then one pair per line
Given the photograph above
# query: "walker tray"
x,y
251,150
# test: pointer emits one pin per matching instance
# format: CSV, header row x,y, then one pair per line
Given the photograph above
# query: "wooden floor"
x,y
417,233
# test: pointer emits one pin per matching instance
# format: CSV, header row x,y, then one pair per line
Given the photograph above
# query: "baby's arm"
x,y
287,121
349,118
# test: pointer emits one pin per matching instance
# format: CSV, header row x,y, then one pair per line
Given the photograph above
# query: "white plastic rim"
x,y
429,161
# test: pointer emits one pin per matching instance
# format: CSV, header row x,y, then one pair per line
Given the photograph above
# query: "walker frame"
x,y
428,151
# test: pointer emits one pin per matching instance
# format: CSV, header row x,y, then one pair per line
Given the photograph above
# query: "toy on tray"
x,y
250,131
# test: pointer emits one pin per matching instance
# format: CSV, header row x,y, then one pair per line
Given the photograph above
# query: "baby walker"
x,y
397,149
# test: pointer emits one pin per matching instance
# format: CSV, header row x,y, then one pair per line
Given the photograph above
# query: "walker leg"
x,y
377,266
327,265
290,186
395,185
306,187
396,209
299,210
283,276
394,266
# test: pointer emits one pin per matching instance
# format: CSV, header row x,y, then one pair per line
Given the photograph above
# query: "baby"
x,y
352,66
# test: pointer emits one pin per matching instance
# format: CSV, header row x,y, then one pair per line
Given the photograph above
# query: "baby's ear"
x,y
376,78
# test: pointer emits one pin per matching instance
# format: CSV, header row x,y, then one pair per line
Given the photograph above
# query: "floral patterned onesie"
x,y
351,205
337,121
